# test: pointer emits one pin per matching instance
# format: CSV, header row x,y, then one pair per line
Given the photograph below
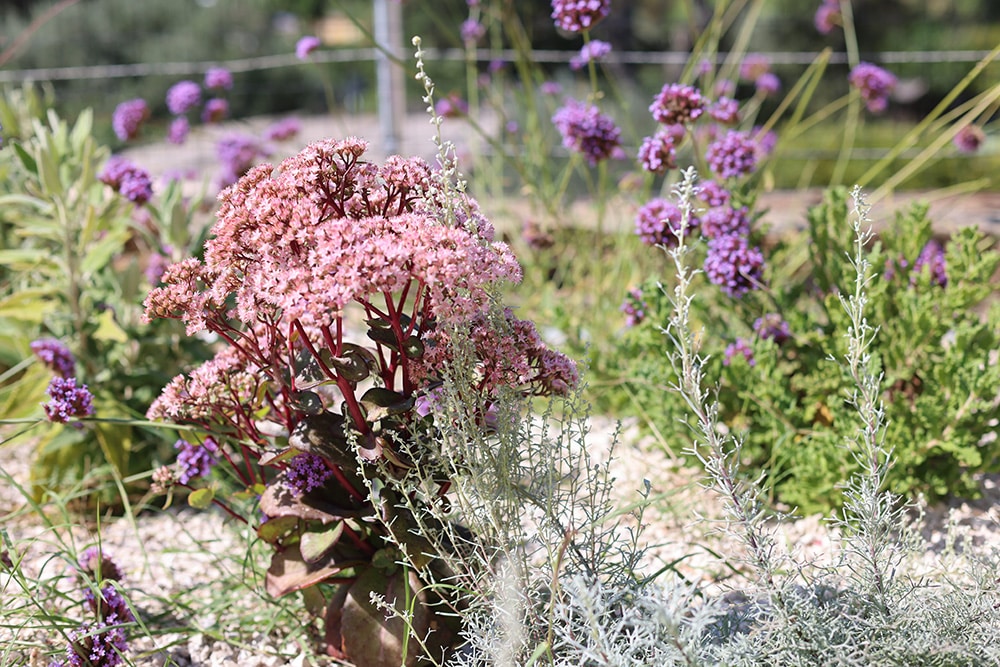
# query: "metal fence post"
x,y
388,29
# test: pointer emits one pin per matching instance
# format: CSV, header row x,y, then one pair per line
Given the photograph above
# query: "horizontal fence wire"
x,y
90,72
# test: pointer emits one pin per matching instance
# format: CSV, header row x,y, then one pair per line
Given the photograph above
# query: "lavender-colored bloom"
x,y
237,153
282,130
183,96
156,267
725,110
733,155
741,347
677,104
55,356
305,46
765,142
178,131
874,83
451,106
110,607
98,645
713,194
128,118
733,265
195,460
496,65
472,31
67,401
550,88
579,15
725,88
587,131
591,51
767,84
306,472
658,223
969,139
772,327
657,153
724,220
753,66
215,110
634,307
932,258
218,78
98,565
827,16
127,179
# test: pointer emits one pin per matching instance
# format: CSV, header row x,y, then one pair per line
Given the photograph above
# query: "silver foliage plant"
x,y
539,566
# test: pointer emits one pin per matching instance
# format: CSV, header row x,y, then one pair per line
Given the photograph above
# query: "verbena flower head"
x,y
67,401
677,104
56,356
932,259
723,220
658,154
579,15
732,156
587,131
550,88
128,118
215,110
305,46
754,65
127,179
98,565
740,347
109,605
282,130
874,83
306,472
658,222
451,106
969,139
183,96
195,460
725,110
772,327
634,307
593,50
218,78
96,645
472,31
237,152
767,84
732,264
827,16
178,131
713,194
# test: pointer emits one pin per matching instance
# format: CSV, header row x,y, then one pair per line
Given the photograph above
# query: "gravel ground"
x,y
190,556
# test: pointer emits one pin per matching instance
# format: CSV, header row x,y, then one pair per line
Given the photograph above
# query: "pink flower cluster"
x,y
874,83
579,15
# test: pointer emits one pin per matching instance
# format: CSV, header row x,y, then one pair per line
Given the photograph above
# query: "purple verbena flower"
x,y
237,153
550,88
472,31
932,258
723,220
587,131
306,472
55,356
657,153
305,46
183,96
753,66
733,155
969,139
128,118
725,110
195,460
591,51
178,131
658,222
110,606
733,265
767,84
218,78
283,129
451,106
98,565
97,645
127,179
772,327
827,16
874,83
634,307
677,104
67,401
713,194
741,347
215,110
579,15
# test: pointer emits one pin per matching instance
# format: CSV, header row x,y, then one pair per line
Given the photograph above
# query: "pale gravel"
x,y
190,555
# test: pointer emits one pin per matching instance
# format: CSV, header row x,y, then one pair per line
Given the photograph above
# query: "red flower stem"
x,y
345,483
358,542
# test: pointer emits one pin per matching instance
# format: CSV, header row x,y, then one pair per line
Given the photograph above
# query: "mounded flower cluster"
x,y
587,131
592,51
183,96
579,15
127,179
67,401
657,153
677,104
128,118
732,156
874,83
56,356
734,265
658,222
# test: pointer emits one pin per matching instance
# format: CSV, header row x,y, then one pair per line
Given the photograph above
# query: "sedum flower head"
x,y
579,15
677,104
183,96
587,131
128,118
55,356
67,401
874,83
732,264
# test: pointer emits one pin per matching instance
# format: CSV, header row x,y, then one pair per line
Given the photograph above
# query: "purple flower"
x,y
55,356
591,51
658,222
178,131
98,645
579,15
754,65
969,139
128,118
767,84
741,347
156,267
99,565
218,78
306,472
765,142
111,607
215,110
634,307
472,31
724,220
127,179
733,155
657,153
772,327
282,130
677,104
587,131
725,88
827,16
451,106
237,153
874,84
305,46
183,96
733,265
932,258
195,460
725,111
713,194
67,401
550,88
